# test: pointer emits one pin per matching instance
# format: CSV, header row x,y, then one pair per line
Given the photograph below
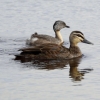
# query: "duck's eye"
x,y
80,36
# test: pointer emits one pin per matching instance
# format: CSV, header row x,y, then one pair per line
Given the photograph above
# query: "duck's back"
x,y
37,39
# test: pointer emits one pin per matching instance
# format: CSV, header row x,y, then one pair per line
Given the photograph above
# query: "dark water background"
x,y
50,80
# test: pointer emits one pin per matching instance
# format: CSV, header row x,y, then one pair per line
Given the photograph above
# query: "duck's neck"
x,y
58,35
75,51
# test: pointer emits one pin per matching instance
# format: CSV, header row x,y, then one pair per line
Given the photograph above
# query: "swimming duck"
x,y
54,51
36,38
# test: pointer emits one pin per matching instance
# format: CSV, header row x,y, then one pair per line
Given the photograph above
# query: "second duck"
x,y
38,39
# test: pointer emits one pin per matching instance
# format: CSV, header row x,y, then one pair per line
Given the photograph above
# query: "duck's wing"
x,y
42,36
46,51
42,48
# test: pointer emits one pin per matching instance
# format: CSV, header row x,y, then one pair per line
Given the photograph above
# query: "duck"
x,y
37,39
55,51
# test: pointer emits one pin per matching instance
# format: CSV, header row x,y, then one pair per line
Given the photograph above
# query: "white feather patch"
x,y
34,39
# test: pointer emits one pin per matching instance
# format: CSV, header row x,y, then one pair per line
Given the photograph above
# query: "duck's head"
x,y
76,37
58,25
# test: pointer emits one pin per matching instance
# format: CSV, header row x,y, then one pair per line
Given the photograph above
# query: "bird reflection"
x,y
74,73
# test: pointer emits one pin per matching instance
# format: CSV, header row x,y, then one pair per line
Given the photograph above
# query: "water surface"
x,y
77,79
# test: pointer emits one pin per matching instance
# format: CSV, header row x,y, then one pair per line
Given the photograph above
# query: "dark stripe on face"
x,y
79,36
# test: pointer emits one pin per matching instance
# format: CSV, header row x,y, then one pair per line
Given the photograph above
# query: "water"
x,y
51,80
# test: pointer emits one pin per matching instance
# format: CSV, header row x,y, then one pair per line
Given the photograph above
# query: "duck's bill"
x,y
67,26
86,41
